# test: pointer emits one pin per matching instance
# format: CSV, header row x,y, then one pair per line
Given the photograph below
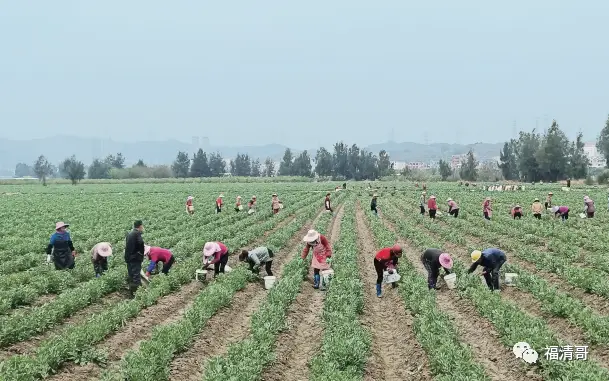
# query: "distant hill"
x,y
164,152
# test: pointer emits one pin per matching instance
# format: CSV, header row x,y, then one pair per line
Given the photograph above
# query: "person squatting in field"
x,y
548,203
134,255
433,260
562,211
251,205
60,249
219,203
276,203
99,257
491,260
453,208
589,208
327,203
487,210
190,209
257,257
373,205
238,206
432,206
386,259
322,251
536,208
423,202
517,212
215,253
157,254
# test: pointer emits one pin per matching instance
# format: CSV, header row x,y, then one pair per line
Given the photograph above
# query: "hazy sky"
x,y
302,72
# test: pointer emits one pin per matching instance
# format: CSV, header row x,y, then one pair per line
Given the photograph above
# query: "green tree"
x,y
256,170
23,170
117,161
269,167
285,167
73,169
199,166
445,170
341,160
241,165
469,167
508,163
526,149
140,163
553,154
99,170
602,142
578,161
385,166
368,166
302,165
43,169
217,165
181,165
324,163
354,167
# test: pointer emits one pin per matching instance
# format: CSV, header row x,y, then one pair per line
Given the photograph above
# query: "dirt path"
x,y
388,320
474,330
229,325
297,345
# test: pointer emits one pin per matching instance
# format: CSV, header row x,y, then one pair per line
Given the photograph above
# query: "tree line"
x,y
343,163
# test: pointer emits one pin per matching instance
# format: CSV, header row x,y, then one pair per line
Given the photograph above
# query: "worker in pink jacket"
x,y
155,255
215,253
453,208
321,253
487,210
432,206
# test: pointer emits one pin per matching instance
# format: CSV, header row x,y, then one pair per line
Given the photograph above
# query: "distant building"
x,y
455,161
596,158
417,165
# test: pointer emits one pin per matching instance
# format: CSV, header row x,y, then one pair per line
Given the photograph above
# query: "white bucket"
x,y
582,215
227,269
200,274
326,277
510,279
451,280
269,281
391,278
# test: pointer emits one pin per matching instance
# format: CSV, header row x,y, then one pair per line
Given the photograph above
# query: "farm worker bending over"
x,y
60,248
453,208
517,212
156,255
257,257
219,203
536,208
99,257
190,209
238,205
423,201
432,205
386,259
373,208
327,203
251,205
491,259
549,200
215,253
134,255
487,210
434,260
275,203
321,252
589,207
562,211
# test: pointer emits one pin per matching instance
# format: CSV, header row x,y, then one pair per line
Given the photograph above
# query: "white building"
x,y
596,158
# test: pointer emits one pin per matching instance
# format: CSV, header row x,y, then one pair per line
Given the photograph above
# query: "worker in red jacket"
x,y
156,255
386,259
432,206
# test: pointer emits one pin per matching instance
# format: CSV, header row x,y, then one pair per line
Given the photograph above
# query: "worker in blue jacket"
x,y
491,259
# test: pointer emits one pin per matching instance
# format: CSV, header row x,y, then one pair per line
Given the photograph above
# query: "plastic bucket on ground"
x,y
200,274
269,281
227,269
510,279
391,278
451,280
582,215
326,277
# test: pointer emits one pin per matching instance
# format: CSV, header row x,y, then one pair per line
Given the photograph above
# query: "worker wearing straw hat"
x,y
238,206
423,202
536,208
517,212
373,208
321,254
589,208
453,208
433,260
251,205
215,253
190,209
99,257
548,203
60,248
386,259
276,203
219,203
491,259
432,206
157,254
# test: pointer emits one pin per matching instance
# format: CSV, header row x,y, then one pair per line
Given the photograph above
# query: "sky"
x,y
302,73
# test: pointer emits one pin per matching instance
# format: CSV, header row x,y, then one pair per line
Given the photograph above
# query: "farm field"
x,y
69,325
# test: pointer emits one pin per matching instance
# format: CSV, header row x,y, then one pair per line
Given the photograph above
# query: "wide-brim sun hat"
x,y
517,207
210,249
396,248
550,194
189,198
555,209
274,195
239,197
476,254
221,196
311,236
448,200
104,249
60,225
536,200
432,196
446,261
146,250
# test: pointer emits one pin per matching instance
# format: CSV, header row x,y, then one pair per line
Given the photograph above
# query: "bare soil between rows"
x,y
296,346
